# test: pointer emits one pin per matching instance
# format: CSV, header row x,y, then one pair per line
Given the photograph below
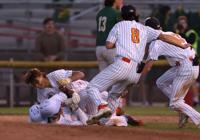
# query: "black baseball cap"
x,y
153,23
128,12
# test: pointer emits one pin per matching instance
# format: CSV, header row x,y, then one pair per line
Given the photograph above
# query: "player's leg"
x,y
109,55
81,116
181,85
117,71
100,58
115,93
165,81
106,78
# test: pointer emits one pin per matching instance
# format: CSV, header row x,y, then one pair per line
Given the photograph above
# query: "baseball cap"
x,y
128,12
152,22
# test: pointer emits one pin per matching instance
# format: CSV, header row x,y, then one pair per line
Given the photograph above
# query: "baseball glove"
x,y
73,101
140,67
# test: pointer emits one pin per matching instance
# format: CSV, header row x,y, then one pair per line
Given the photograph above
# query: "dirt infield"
x,y
17,128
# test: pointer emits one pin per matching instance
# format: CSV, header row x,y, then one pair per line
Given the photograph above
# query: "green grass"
x,y
137,110
151,111
13,111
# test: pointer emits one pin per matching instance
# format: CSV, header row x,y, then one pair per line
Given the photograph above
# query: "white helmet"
x,y
35,114
50,107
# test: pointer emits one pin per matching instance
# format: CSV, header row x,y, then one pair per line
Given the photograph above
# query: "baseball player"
x,y
130,39
176,82
106,18
50,84
52,111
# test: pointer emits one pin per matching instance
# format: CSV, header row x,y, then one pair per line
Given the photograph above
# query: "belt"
x,y
178,63
125,59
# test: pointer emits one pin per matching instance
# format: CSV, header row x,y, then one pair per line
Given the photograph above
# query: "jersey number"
x,y
102,24
135,35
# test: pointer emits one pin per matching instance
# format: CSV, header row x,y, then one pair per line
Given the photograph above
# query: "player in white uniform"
x,y
176,82
52,110
130,39
49,85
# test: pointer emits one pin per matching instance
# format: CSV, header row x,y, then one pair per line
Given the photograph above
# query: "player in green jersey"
x,y
106,19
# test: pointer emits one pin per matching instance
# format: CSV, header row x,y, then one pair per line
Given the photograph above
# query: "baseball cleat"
x,y
102,113
133,122
183,119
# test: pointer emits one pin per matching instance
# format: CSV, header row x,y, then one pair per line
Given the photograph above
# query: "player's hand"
x,y
67,90
73,102
187,45
63,82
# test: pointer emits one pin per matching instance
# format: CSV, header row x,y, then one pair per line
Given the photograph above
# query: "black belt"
x,y
195,61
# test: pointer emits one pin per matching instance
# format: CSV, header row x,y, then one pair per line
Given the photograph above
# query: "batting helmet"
x,y
128,12
153,23
50,107
35,114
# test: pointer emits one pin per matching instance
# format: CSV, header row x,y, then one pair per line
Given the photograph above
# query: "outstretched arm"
x,y
76,75
174,39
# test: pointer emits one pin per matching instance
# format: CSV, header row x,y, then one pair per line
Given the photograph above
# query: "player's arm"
x,y
147,67
110,45
153,54
112,37
174,39
168,37
76,75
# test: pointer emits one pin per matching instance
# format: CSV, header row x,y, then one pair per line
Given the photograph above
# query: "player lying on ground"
x,y
78,86
184,71
129,38
52,111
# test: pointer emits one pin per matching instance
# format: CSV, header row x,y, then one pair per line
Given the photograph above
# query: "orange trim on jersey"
x,y
102,106
125,59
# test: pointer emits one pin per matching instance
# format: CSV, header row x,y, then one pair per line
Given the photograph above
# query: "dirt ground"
x,y
18,128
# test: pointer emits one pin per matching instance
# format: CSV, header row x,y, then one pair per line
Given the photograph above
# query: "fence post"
x,y
11,86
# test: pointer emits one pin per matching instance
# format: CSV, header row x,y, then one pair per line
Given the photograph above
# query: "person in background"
x,y
106,18
49,42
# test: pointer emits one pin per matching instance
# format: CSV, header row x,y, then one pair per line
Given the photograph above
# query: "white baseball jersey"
x,y
79,85
58,75
53,77
176,82
172,53
130,39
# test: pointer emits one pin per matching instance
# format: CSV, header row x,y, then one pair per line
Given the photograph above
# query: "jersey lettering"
x,y
135,35
102,24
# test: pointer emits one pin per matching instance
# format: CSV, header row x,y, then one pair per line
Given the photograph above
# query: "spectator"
x,y
179,12
163,16
49,42
61,14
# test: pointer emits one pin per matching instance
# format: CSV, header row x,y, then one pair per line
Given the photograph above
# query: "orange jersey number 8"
x,y
135,35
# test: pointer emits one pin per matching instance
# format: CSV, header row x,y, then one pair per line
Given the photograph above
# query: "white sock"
x,y
82,116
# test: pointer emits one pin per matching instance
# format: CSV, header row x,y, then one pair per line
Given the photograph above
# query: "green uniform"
x,y
196,40
106,19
